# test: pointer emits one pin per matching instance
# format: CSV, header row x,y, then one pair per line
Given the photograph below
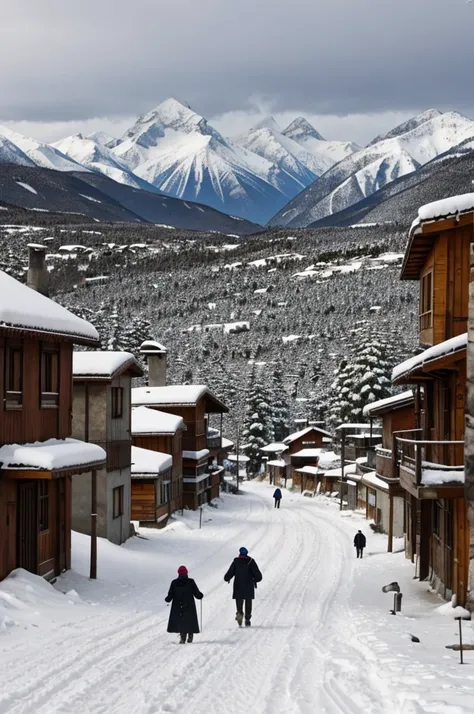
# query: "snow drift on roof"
x,y
147,462
274,448
447,207
152,347
152,421
336,473
298,434
389,401
51,455
308,454
100,364
455,344
440,477
179,394
196,455
25,309
277,462
371,479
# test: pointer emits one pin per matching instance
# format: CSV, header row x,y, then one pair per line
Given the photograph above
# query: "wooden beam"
x,y
93,563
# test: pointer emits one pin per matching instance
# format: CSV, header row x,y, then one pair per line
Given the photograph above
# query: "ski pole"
x,y
201,614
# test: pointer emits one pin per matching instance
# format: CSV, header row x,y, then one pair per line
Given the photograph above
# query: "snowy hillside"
x,y
370,169
329,152
10,153
98,157
43,155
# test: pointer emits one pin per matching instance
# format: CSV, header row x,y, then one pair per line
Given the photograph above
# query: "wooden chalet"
x,y
37,456
304,447
431,456
151,481
195,404
160,432
385,498
275,465
102,383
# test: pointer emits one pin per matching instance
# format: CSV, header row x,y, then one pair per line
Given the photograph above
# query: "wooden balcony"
x,y
430,469
385,466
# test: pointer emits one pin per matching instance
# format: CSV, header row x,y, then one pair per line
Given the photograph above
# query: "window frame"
x,y
13,398
426,300
117,502
49,375
117,402
43,505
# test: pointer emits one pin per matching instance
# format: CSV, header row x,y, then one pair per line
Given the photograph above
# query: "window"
x,y
117,402
426,301
13,375
49,376
117,495
43,505
165,492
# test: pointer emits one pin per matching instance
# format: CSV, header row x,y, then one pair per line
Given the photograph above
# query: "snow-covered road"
x,y
311,648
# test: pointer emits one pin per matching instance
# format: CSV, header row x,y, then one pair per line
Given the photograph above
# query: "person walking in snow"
x,y
359,543
246,574
277,496
183,616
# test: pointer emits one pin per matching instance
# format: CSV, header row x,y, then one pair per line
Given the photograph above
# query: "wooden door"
x,y
28,526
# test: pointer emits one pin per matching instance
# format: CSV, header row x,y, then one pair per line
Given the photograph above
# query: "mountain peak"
x,y
408,125
267,123
300,128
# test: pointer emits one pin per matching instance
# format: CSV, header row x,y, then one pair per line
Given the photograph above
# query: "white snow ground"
x,y
322,639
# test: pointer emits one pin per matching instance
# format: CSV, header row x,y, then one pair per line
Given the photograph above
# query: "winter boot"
x,y
239,617
182,639
190,638
247,623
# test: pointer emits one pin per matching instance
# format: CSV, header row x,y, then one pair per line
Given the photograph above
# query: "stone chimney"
x,y
38,276
156,356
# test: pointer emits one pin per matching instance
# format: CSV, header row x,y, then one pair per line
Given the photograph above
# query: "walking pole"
x,y
201,615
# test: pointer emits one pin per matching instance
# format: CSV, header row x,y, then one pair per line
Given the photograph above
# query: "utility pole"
x,y
343,461
237,453
93,564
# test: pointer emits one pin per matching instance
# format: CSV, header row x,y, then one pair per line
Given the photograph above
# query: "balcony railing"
x,y
214,442
416,455
384,463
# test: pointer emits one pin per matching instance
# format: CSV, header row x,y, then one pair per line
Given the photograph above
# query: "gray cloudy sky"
x,y
355,67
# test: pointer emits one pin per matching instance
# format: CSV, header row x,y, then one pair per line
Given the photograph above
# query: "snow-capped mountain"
x,y
104,139
41,154
304,133
368,170
409,125
11,154
97,157
182,155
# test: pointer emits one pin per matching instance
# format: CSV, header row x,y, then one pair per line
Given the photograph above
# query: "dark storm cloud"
x,y
61,60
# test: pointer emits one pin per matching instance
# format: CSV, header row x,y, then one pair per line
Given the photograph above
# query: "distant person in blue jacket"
x,y
277,496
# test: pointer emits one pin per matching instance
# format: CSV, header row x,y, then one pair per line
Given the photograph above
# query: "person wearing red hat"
x,y
183,616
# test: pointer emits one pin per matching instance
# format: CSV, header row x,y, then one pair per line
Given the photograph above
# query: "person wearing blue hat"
x,y
246,574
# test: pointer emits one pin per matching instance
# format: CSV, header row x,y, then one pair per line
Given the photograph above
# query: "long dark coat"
x,y
246,574
277,494
359,540
183,615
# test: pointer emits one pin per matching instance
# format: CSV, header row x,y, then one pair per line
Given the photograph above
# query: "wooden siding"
x,y
143,500
30,422
195,436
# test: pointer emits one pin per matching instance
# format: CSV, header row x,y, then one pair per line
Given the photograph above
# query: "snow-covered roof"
x,y
241,458
276,462
328,458
344,427
181,395
152,347
446,207
147,463
336,473
274,448
371,479
103,365
226,443
311,470
298,434
389,402
451,346
307,454
51,455
22,308
196,455
152,421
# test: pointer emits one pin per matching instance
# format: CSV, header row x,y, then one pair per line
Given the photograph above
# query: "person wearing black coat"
x,y
183,616
277,496
359,543
246,575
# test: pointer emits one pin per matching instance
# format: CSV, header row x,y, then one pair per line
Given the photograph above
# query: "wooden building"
x,y
163,433
431,459
385,502
37,456
101,415
310,438
195,404
151,481
275,468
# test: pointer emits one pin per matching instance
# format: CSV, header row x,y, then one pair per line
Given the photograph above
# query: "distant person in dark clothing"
x,y
246,575
277,496
183,616
359,543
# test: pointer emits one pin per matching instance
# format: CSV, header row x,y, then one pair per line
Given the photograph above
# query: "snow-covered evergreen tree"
x,y
258,425
279,406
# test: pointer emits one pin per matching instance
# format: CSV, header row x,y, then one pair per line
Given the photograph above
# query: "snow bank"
x,y
455,344
51,454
